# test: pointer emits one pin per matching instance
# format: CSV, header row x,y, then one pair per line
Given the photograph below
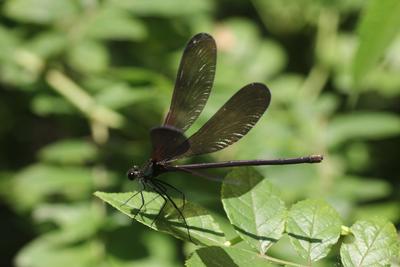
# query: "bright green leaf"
x,y
36,183
46,252
254,208
8,43
203,228
259,67
47,104
361,188
121,95
379,25
69,152
313,227
88,56
372,243
165,8
15,62
366,125
115,24
222,256
389,210
40,11
76,222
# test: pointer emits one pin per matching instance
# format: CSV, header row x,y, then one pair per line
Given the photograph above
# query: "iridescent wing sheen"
x,y
193,82
231,122
167,142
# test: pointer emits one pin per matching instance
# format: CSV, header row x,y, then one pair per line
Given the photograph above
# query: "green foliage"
x,y
203,229
219,256
40,11
357,126
88,56
71,182
313,227
82,82
378,27
258,215
255,210
69,152
372,243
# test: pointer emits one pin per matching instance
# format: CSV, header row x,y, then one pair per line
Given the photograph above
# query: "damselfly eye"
x,y
133,173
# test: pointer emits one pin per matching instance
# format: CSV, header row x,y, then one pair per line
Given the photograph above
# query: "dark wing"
x,y
168,142
193,82
232,121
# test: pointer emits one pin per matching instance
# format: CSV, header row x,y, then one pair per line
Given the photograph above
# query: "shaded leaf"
x,y
40,11
8,43
371,125
45,252
313,227
17,66
165,8
76,222
361,188
254,208
37,182
69,152
223,256
48,104
389,210
48,44
121,95
203,228
88,56
115,24
379,25
372,243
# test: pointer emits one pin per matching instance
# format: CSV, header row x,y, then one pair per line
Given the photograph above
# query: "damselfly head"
x,y
134,173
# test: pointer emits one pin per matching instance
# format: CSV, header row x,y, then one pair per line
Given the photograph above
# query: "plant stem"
x,y
83,101
233,241
282,261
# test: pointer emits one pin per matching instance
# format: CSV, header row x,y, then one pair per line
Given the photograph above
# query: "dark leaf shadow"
x,y
257,237
305,238
240,181
167,221
215,257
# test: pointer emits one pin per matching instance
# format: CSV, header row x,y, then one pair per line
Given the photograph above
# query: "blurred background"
x,y
82,82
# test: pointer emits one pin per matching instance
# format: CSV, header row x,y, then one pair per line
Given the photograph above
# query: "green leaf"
x,y
367,125
254,208
44,104
8,43
203,229
40,11
88,57
76,222
115,24
223,256
313,227
46,252
36,183
361,188
259,67
120,95
17,66
379,25
389,210
372,243
48,44
165,8
69,152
